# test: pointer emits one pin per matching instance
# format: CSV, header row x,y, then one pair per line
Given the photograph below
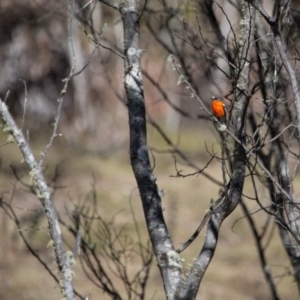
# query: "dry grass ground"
x,y
235,271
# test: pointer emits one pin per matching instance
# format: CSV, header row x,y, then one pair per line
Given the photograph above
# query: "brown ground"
x,y
235,271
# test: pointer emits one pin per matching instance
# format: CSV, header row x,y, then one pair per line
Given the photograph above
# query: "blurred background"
x,y
41,42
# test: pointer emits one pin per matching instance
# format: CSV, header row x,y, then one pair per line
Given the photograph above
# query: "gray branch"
x,y
168,259
275,25
219,214
43,193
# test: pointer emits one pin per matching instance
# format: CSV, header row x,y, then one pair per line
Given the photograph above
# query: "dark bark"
x,y
168,259
190,287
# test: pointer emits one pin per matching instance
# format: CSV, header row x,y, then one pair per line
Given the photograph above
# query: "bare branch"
x,y
168,259
62,93
110,4
43,193
239,162
275,24
261,252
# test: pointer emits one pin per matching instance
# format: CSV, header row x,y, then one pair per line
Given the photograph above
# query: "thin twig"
x,y
62,93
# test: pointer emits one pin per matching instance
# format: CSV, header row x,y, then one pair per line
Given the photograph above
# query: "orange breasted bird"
x,y
218,108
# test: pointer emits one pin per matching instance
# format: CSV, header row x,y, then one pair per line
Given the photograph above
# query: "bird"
x,y
218,107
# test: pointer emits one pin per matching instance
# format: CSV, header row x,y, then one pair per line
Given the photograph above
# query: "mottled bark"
x,y
168,259
43,193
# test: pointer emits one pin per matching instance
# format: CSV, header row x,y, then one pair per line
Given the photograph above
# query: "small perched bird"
x,y
218,108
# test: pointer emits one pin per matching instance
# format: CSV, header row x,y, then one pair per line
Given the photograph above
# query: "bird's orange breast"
x,y
218,108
